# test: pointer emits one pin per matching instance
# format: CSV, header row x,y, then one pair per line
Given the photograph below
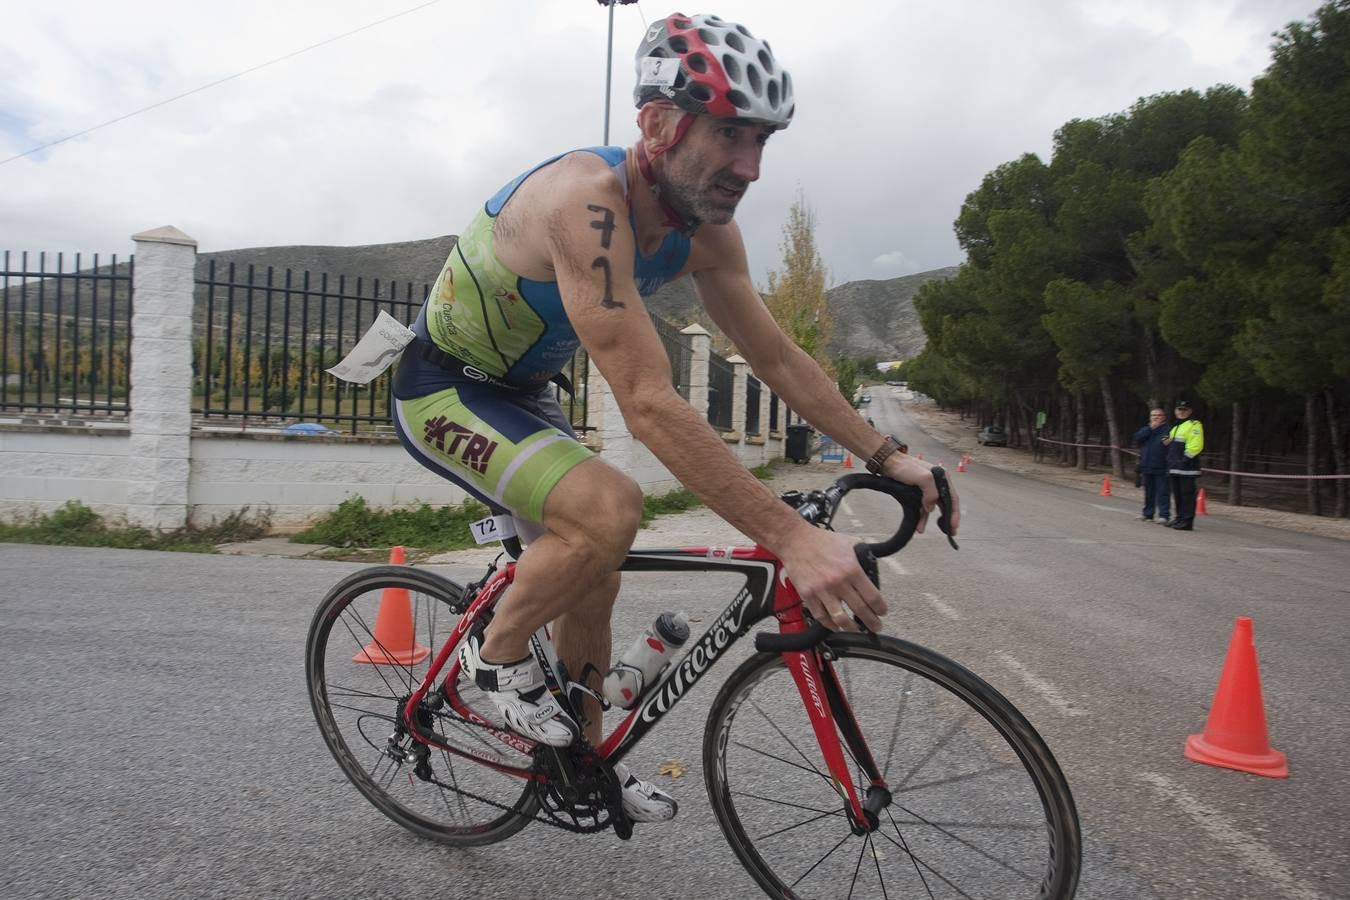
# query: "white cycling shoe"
x,y
644,801
518,691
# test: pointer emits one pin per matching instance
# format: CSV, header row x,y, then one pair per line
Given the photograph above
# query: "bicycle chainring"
x,y
578,790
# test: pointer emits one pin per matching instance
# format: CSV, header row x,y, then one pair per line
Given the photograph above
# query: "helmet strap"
x,y
672,216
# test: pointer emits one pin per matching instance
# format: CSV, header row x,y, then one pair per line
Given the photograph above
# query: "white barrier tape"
x,y
1207,471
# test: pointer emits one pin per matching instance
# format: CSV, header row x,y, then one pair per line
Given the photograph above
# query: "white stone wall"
x,y
158,472
41,468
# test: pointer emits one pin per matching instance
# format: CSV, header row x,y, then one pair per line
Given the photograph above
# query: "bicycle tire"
x,y
948,806
355,702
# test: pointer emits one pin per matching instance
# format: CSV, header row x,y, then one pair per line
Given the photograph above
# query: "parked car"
x,y
310,428
992,436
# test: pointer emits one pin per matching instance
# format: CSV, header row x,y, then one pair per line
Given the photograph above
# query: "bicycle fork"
x,y
831,715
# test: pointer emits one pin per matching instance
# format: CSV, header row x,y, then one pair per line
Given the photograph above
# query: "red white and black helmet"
x,y
707,66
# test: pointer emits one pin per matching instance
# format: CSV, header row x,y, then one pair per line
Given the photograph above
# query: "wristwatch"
x,y
888,446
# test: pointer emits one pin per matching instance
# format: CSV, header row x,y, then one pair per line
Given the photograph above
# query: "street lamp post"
x,y
609,57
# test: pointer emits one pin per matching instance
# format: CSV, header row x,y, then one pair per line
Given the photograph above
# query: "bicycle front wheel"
x,y
979,808
370,645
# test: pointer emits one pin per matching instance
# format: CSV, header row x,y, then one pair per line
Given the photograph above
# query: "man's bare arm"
x,y
603,305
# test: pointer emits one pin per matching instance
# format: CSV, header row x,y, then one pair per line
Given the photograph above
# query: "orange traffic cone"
x,y
848,460
961,466
393,642
1200,503
1235,734
1106,486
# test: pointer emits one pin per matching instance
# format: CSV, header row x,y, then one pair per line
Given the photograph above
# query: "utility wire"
x,y
218,81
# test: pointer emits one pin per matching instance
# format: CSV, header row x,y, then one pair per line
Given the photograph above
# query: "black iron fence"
x,y
721,385
65,335
263,340
752,389
680,352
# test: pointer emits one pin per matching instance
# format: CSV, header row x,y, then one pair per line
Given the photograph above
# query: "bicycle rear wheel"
x,y
476,795
979,808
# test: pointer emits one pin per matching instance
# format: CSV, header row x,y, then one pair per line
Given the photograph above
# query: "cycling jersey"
x,y
507,326
503,438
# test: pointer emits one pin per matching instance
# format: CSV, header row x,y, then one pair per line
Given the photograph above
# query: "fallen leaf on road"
x,y
672,767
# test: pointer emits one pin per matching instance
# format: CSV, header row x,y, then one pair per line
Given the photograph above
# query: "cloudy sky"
x,y
399,131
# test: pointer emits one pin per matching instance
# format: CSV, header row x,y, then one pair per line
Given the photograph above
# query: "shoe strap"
x,y
519,676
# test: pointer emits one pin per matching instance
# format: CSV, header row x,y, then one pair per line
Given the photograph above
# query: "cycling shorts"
x,y
506,448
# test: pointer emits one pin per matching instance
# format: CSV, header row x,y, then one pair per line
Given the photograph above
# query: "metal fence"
x,y
65,336
263,340
679,350
721,384
752,389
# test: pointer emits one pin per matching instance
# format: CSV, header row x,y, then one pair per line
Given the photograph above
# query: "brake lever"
x,y
944,503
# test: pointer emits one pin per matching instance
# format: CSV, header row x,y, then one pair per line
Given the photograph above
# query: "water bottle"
x,y
645,659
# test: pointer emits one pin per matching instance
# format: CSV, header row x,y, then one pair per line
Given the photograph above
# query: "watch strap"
x,y
888,447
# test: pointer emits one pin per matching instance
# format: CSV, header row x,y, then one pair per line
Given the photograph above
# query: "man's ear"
x,y
658,122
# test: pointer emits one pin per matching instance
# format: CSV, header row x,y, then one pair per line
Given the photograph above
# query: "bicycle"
x,y
945,788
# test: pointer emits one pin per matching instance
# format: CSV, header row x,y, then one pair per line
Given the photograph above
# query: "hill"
x,y
871,318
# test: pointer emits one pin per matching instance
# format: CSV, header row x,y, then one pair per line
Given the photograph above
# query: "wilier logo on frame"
x,y
477,448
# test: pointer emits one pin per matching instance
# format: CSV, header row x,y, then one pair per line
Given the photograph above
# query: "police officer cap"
x,y
1183,404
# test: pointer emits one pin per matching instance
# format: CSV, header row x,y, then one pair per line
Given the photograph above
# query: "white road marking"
x,y
895,564
1254,856
943,608
1108,508
1049,693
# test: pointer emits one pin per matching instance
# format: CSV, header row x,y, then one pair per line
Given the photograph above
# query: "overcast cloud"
x,y
400,131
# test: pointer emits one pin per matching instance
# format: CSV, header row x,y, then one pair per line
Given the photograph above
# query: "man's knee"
x,y
596,506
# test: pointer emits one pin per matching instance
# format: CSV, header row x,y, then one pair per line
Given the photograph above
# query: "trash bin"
x,y
798,444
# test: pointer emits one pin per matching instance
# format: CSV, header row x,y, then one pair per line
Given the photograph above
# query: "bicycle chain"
x,y
538,816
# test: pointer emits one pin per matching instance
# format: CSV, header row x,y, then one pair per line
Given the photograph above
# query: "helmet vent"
x,y
756,83
710,37
700,92
766,61
682,24
773,95
738,100
734,42
732,67
697,61
745,31
679,44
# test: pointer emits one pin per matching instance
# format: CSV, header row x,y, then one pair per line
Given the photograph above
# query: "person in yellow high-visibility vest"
x,y
1185,442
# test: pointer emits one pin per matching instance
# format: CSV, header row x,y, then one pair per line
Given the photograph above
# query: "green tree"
x,y
796,295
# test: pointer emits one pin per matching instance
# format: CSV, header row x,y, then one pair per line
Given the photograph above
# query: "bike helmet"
x,y
723,70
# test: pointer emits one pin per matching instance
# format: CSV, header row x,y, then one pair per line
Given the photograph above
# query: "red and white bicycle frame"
x,y
767,592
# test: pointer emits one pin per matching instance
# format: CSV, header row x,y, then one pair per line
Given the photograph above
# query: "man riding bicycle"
x,y
563,255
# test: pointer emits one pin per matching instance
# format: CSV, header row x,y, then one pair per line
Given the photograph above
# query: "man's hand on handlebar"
x,y
907,469
824,568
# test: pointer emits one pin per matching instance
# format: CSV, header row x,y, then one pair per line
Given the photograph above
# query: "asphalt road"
x,y
158,741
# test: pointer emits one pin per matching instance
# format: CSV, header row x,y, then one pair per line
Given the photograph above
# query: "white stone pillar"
x,y
764,448
161,378
700,345
737,434
597,388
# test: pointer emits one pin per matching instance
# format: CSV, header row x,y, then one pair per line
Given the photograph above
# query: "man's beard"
x,y
693,199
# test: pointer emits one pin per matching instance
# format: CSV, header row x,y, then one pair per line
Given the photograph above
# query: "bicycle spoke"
x,y
379,668
942,743
881,879
786,762
965,812
774,726
967,844
827,855
857,867
895,729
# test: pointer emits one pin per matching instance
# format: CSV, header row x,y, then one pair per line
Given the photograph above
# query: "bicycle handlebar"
x,y
819,508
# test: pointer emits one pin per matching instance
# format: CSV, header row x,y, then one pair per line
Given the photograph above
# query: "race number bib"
x,y
493,528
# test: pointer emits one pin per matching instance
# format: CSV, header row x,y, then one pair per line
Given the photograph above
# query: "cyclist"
x,y
563,255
